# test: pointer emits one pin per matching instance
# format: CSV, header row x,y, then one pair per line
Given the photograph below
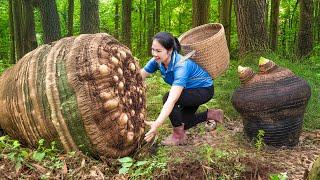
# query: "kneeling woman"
x,y
191,86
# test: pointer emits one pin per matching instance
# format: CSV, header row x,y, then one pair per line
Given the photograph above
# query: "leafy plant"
x,y
259,140
278,176
137,169
51,154
17,154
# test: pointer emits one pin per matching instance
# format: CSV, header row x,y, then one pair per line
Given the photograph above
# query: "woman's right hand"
x,y
152,132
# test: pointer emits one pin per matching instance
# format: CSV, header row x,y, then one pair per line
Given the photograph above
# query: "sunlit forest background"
x,y
279,24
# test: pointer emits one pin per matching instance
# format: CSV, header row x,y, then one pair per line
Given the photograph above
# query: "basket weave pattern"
x,y
211,47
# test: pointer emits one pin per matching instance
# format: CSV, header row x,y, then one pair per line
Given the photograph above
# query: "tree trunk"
x,y
126,22
50,21
70,17
150,10
17,23
140,25
157,17
274,24
200,12
251,26
145,35
304,46
116,19
225,18
89,16
267,13
29,35
12,59
316,22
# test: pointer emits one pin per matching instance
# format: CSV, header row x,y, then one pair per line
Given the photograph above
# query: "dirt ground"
x,y
227,139
296,161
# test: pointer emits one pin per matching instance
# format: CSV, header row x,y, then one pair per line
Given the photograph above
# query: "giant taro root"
x,y
273,101
83,92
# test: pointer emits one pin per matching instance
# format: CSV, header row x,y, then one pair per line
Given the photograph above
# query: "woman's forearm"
x,y
173,97
165,112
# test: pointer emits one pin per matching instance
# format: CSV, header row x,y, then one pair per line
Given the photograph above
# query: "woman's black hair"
x,y
168,41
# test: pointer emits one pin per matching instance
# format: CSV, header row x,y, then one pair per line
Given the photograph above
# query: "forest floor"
x,y
220,154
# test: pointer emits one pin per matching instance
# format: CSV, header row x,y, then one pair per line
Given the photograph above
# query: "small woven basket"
x,y
211,47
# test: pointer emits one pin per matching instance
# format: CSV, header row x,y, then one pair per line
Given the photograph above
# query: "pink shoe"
x,y
216,115
178,137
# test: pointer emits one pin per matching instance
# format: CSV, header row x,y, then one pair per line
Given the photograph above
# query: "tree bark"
x,y
150,34
50,21
17,26
316,26
140,25
274,24
157,17
225,18
200,12
304,46
70,17
116,19
12,59
89,16
126,22
251,26
29,35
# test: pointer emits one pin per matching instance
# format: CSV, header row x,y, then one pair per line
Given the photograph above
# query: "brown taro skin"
x,y
84,92
273,100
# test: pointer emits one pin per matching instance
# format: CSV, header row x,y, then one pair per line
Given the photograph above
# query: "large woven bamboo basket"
x,y
211,47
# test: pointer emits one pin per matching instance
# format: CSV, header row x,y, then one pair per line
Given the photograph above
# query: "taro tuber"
x,y
78,91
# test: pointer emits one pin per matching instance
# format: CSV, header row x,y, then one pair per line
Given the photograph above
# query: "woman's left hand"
x,y
152,132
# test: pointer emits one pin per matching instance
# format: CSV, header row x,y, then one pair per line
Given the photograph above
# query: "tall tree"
x,y
126,22
304,46
116,19
316,21
22,27
200,12
17,24
29,34
157,17
150,25
89,16
274,24
12,58
251,26
142,29
225,18
50,20
70,17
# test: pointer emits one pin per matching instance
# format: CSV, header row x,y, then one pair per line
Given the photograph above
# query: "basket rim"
x,y
197,28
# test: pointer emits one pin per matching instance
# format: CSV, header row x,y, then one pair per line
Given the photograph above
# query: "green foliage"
x,y
51,154
259,144
4,31
138,169
22,156
225,163
279,176
16,153
3,66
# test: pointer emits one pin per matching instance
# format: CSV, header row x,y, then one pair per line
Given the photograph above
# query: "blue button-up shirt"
x,y
187,74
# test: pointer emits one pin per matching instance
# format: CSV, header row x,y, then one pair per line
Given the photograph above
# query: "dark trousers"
x,y
184,111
